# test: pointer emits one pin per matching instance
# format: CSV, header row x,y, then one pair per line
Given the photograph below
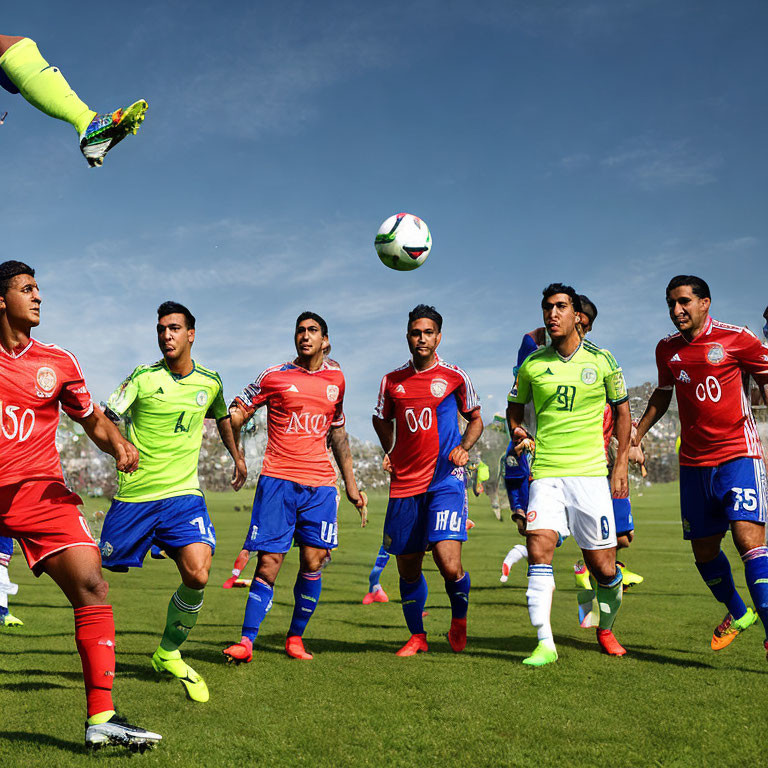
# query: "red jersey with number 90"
x,y
33,383
715,415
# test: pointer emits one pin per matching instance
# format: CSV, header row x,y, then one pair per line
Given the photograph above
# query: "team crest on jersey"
x,y
716,354
438,387
530,515
332,392
107,549
201,398
588,375
684,377
512,460
46,379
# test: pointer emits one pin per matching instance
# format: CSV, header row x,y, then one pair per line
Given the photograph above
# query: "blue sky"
x,y
610,144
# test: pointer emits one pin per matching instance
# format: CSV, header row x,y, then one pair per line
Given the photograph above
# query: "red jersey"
x,y
715,415
302,406
425,406
33,382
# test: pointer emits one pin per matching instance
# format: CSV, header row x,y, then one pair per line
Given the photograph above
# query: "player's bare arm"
x,y
658,404
622,429
460,454
385,431
107,438
240,471
343,456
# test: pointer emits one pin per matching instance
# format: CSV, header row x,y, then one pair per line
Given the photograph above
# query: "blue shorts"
x,y
132,527
517,492
415,522
622,514
284,511
712,497
6,545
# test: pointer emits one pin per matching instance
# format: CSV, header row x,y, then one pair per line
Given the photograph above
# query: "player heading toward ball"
x,y
722,473
37,509
416,420
23,70
296,496
161,504
569,382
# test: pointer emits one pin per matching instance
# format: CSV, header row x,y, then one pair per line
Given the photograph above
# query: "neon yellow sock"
x,y
43,86
101,717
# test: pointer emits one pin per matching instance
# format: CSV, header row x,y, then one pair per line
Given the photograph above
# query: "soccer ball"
x,y
403,242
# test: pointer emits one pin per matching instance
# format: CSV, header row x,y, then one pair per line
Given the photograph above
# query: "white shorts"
x,y
580,506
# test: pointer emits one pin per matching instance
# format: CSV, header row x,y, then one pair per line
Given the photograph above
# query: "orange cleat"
x,y
377,596
725,632
294,647
239,653
470,524
457,635
609,643
414,645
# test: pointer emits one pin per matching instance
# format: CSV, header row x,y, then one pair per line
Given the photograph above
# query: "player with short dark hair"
x,y
296,497
722,472
569,382
416,420
23,70
161,504
37,509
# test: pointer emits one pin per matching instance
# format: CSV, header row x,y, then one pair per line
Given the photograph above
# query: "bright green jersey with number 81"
x,y
569,397
164,415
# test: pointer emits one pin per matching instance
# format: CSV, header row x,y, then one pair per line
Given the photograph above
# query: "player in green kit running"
x,y
569,382
161,503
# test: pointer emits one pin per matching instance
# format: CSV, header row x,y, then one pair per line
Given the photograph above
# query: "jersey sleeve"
x,y
218,409
122,398
338,413
750,352
74,396
256,394
521,389
527,345
384,407
666,379
615,386
465,394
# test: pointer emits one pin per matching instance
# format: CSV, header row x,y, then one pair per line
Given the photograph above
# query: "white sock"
x,y
516,554
541,586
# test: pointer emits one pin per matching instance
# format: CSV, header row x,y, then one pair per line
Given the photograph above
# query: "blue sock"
x,y
756,571
718,577
3,611
257,607
306,593
458,594
381,563
414,597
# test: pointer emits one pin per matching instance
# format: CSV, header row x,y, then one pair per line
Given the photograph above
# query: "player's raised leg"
x,y
515,555
376,593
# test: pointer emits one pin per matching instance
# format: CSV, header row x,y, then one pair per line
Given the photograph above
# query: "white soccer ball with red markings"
x,y
403,242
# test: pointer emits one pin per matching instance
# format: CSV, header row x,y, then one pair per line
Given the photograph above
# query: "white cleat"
x,y
116,732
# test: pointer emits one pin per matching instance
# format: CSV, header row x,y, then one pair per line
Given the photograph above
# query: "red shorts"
x,y
42,515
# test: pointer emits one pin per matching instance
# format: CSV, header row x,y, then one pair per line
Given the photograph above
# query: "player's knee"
x,y
451,571
196,578
95,587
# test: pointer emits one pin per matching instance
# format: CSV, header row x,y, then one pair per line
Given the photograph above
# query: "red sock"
x,y
95,640
240,562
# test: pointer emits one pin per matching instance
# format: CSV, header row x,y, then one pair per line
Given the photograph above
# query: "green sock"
x,y
183,608
609,600
43,86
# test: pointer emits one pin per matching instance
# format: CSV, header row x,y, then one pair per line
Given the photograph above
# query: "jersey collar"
x,y
431,367
175,376
571,356
16,355
705,331
323,367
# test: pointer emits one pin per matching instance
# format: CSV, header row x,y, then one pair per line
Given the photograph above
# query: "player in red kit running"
x,y
296,496
416,422
722,474
38,510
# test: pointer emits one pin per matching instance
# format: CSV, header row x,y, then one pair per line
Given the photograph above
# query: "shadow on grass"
x,y
43,740
30,686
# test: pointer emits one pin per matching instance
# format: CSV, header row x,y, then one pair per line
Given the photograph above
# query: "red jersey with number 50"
x,y
715,415
424,406
34,381
302,406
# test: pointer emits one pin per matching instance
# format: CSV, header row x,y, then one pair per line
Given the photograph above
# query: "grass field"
x,y
670,702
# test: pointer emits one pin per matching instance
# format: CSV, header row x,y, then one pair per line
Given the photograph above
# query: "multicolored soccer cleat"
x,y
116,732
457,635
171,663
581,575
9,621
629,578
239,653
416,644
609,643
294,647
104,132
377,596
725,632
541,656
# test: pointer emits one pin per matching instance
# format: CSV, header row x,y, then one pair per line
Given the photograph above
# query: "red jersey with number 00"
x,y
302,406
707,373
34,381
425,406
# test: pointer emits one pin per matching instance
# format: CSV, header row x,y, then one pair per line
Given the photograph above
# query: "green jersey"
x,y
164,416
569,396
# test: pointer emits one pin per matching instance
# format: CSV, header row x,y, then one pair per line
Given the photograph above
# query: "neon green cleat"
x,y
629,579
9,621
541,655
581,575
170,662
105,131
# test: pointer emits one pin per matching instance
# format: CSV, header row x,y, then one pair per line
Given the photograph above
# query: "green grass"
x,y
671,701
